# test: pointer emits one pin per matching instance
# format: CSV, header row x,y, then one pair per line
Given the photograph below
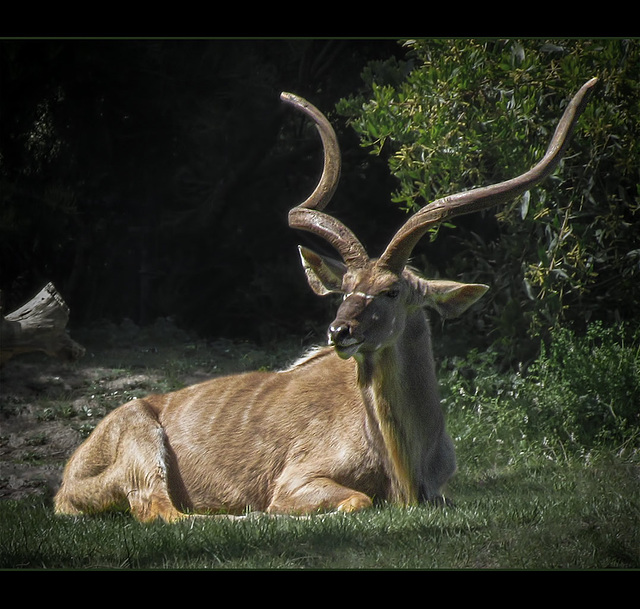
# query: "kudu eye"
x,y
392,293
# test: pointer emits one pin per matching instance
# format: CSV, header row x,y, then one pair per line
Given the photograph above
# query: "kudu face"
x,y
377,301
372,314
373,311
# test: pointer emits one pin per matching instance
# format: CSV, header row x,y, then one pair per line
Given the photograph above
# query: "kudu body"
x,y
356,421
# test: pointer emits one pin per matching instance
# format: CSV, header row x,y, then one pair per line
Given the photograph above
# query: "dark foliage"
x,y
152,178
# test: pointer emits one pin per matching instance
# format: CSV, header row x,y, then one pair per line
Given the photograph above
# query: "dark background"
x,y
152,178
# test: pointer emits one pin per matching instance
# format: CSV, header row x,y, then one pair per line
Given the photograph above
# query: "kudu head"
x,y
380,293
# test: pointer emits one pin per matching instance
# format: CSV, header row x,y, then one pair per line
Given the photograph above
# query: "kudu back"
x,y
356,421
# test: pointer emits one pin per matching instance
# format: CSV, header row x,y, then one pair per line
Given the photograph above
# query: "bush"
x,y
582,394
586,390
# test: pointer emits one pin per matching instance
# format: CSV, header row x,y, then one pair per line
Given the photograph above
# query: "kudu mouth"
x,y
341,338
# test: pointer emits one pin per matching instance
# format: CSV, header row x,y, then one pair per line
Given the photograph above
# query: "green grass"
x,y
548,517
531,491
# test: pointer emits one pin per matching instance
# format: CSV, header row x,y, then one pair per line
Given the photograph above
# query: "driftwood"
x,y
39,325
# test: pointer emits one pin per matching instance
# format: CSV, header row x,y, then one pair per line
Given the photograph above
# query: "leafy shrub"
x,y
486,417
586,390
581,394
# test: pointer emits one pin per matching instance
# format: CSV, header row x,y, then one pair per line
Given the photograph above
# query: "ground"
x,y
33,450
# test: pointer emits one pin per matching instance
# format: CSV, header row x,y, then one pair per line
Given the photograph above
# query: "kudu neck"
x,y
398,383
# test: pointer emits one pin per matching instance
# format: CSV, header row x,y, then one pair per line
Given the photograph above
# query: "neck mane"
x,y
398,385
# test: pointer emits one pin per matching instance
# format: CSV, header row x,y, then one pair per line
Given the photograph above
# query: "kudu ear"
x,y
324,274
449,298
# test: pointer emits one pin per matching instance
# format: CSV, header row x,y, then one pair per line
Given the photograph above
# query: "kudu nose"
x,y
339,334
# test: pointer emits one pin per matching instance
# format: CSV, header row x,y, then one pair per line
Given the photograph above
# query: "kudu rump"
x,y
355,421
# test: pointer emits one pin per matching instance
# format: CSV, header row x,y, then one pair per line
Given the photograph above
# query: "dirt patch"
x,y
47,407
33,444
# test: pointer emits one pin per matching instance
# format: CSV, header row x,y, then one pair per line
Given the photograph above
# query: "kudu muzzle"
x,y
345,332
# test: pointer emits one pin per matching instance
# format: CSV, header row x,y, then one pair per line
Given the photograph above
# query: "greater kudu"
x,y
352,422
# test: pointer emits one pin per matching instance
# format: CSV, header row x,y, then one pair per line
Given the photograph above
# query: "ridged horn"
x,y
399,250
308,215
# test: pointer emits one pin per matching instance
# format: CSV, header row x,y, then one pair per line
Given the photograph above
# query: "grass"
x,y
519,503
552,517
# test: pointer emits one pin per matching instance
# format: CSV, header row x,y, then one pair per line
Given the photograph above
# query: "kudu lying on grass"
x,y
352,422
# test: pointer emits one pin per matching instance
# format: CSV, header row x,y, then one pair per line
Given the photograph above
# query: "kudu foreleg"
x,y
318,494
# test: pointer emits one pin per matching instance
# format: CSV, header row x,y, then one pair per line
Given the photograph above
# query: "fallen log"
x,y
39,325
